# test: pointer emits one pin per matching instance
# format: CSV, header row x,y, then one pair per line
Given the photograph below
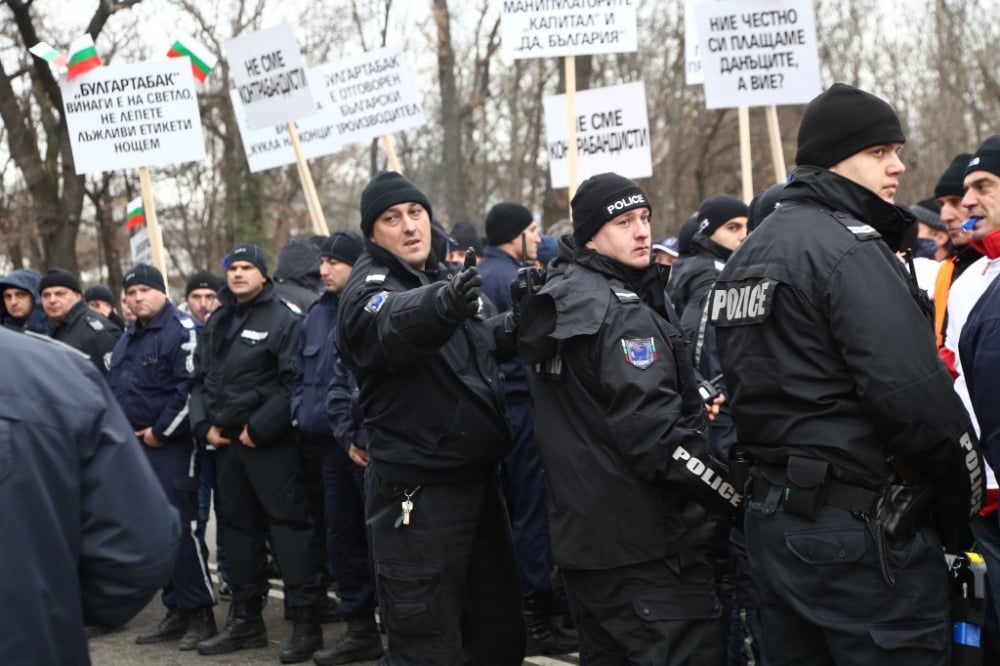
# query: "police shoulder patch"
x,y
741,303
293,307
860,230
377,275
95,324
376,302
624,295
640,352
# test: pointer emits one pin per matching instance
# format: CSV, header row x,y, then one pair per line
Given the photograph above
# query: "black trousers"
x,y
263,488
447,583
347,534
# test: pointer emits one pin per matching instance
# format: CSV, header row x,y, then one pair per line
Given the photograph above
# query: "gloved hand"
x,y
528,282
459,299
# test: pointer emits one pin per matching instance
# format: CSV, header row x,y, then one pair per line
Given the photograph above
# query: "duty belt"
x,y
807,485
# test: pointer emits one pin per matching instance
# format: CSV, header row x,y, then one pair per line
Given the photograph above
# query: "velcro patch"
x,y
256,336
625,296
640,352
741,303
95,324
376,302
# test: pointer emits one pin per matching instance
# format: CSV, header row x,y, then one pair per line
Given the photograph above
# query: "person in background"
x,y
72,322
665,250
100,299
22,304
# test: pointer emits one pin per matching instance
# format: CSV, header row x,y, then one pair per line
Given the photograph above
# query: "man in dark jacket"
x,y
73,323
622,432
100,299
244,371
431,395
296,278
89,535
149,372
835,385
22,304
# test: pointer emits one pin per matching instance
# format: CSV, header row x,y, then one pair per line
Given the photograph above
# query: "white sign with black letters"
x,y
533,29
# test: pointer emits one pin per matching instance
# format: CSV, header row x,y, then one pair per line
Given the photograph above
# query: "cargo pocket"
x,y
408,596
921,635
836,546
681,604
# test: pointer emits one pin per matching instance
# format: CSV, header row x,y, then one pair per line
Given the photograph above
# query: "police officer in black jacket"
x,y
430,393
73,322
840,400
240,404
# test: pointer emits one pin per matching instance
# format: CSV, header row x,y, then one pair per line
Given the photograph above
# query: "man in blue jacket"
x,y
22,306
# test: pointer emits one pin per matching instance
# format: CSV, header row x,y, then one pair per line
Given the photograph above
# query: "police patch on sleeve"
x,y
741,303
376,302
640,352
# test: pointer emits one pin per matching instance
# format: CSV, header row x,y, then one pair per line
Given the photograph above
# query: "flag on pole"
x,y
202,60
82,57
50,55
134,214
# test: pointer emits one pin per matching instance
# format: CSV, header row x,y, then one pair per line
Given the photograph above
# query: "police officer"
x,y
72,322
22,307
200,294
100,300
150,368
244,371
430,392
622,432
835,386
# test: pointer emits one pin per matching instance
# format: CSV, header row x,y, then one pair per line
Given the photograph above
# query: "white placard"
x,y
692,51
370,94
612,133
269,76
272,147
758,52
533,29
128,116
142,251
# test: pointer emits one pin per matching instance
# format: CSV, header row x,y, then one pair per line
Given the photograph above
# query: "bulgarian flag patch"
x,y
82,57
202,60
134,215
50,55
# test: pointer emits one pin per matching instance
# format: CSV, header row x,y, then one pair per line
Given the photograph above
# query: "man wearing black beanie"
x,y
200,294
823,338
73,322
621,428
412,330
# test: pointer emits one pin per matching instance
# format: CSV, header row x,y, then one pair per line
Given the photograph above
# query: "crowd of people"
x,y
749,443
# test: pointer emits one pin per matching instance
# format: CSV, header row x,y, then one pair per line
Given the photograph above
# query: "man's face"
x,y
625,238
661,257
982,200
58,301
953,215
532,239
102,308
731,234
202,302
245,280
19,303
405,231
939,237
334,274
144,301
878,168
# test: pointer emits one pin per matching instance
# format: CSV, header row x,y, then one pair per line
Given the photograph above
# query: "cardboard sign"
x,y
758,52
128,116
612,133
142,251
544,29
269,77
692,51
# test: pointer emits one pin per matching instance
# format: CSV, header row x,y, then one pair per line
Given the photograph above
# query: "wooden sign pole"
x,y
149,211
746,165
571,124
777,154
309,188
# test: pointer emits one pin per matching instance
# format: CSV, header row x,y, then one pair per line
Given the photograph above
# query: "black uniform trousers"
x,y
447,583
314,451
262,487
346,533
823,597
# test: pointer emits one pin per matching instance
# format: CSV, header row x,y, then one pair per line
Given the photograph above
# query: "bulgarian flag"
x,y
134,214
82,57
50,55
202,60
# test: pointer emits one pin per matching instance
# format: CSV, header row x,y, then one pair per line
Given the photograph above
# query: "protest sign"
x,y
758,52
545,28
142,251
612,133
127,116
692,51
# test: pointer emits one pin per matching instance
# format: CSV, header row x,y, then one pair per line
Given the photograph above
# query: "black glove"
x,y
528,282
459,299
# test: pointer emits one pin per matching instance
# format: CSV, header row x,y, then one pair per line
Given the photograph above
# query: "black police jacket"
x,y
618,420
89,332
691,281
430,390
245,367
825,350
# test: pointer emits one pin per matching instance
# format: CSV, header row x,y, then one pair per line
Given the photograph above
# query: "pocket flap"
x,y
828,546
682,604
806,472
924,635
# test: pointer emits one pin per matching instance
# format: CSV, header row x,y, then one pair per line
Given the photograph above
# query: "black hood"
x,y
298,262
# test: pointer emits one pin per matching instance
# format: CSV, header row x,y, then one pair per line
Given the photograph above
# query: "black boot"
x,y
171,627
361,642
244,630
307,637
200,628
543,637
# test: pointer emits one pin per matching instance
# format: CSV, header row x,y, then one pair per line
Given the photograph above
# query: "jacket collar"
x,y
228,300
154,323
402,270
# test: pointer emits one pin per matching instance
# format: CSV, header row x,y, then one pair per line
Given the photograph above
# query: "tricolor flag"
x,y
202,60
50,55
82,57
134,214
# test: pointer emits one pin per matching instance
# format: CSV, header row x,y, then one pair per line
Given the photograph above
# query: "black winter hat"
x,y
986,157
842,121
952,181
686,235
144,274
58,277
929,212
600,199
385,190
465,236
763,204
344,246
718,209
99,292
248,252
505,222
203,280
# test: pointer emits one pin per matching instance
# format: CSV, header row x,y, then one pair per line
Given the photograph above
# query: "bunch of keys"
x,y
407,506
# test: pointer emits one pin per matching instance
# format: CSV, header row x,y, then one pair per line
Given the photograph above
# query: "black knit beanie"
x,y
99,292
986,157
203,280
952,181
344,246
602,198
718,209
385,190
929,212
58,277
842,121
146,275
763,204
505,222
465,236
248,252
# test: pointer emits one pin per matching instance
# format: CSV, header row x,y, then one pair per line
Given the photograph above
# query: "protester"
x,y
665,250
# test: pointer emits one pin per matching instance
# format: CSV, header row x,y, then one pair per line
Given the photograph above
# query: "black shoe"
x,y
307,637
330,613
171,627
245,630
200,628
360,643
544,638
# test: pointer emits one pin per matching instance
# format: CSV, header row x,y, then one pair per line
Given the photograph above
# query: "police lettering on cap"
x,y
600,199
986,157
250,252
